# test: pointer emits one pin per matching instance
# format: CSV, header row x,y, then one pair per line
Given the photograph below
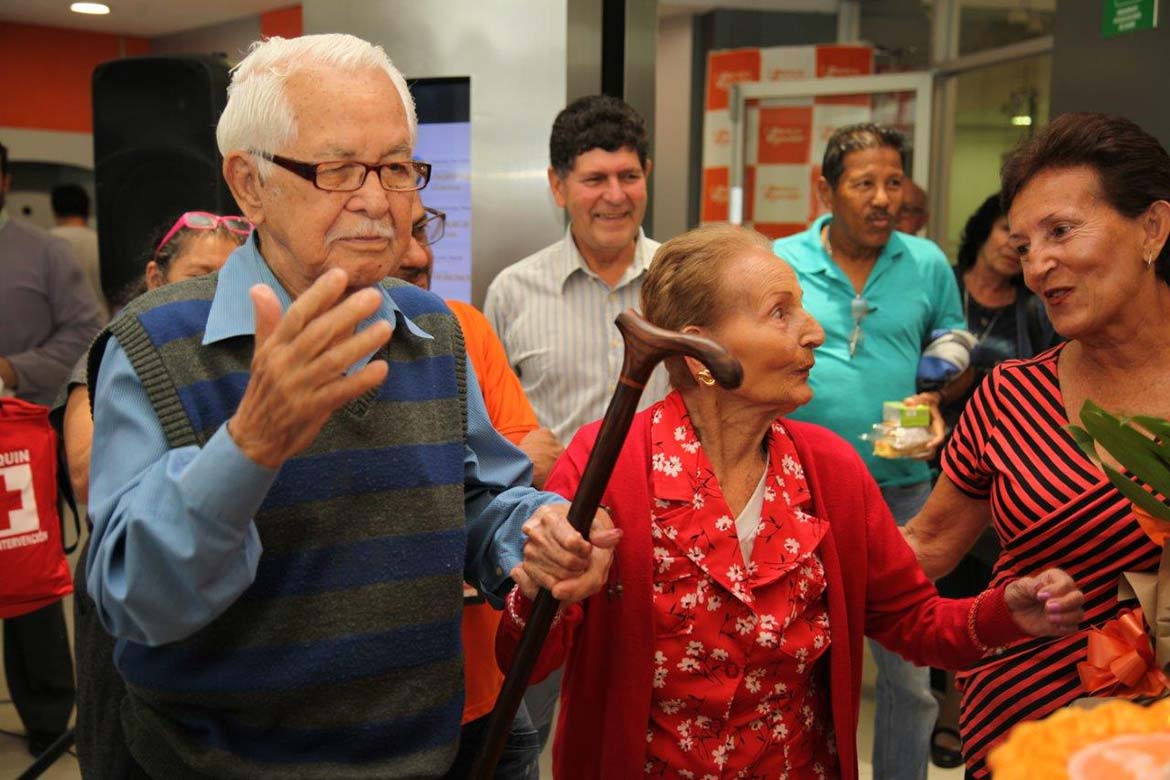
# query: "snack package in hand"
x,y
903,432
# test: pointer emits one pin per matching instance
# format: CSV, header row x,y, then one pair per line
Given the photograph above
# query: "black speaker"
x,y
155,154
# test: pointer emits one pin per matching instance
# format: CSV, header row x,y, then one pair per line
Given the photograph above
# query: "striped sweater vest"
x,y
343,658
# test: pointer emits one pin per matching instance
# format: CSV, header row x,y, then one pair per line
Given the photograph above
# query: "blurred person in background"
x,y
48,315
71,213
1005,317
510,412
197,243
915,211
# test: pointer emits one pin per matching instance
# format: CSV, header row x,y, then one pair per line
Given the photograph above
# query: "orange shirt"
x,y
512,416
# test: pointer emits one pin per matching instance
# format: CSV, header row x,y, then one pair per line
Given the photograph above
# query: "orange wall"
x,y
47,74
285,22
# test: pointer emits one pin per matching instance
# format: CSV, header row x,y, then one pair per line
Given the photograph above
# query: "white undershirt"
x,y
747,525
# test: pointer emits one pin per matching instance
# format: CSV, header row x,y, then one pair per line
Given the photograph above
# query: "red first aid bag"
x,y
33,569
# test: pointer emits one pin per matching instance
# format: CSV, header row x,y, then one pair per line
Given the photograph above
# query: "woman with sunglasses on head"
x,y
197,243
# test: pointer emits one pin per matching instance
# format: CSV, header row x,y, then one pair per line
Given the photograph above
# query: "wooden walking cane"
x,y
646,347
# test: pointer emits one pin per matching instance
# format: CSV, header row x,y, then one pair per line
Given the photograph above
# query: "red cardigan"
x,y
875,588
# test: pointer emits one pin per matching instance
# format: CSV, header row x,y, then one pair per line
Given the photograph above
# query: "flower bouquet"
x,y
1118,740
1128,656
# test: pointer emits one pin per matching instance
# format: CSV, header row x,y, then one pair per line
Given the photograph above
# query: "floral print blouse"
x,y
739,689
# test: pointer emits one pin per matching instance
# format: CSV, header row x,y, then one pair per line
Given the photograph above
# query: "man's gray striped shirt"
x,y
556,319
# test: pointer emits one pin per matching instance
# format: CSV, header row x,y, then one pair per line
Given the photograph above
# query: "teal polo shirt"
x,y
910,293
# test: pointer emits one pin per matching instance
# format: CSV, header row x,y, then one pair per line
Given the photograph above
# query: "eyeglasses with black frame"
x,y
350,175
430,228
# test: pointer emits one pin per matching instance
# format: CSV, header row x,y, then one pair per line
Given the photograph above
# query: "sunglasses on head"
x,y
203,220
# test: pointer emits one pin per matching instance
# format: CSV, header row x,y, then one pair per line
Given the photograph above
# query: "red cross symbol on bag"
x,y
18,502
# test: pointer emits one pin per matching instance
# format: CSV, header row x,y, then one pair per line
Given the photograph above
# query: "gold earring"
x,y
705,377
1149,261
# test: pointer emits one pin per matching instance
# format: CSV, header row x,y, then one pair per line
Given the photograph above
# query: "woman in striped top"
x,y
1088,202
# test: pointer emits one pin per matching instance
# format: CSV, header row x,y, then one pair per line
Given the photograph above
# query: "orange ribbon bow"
x,y
1155,527
1121,659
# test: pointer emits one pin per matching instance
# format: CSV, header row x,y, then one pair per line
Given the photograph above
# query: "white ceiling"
x,y
146,18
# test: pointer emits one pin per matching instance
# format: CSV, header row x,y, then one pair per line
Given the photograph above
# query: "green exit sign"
x,y
1125,16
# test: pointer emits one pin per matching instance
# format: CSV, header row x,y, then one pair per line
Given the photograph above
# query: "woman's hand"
x,y
1047,605
558,558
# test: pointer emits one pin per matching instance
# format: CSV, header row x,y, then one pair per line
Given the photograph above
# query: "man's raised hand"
x,y
298,368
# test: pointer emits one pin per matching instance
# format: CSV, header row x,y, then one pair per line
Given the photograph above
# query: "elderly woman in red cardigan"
x,y
754,554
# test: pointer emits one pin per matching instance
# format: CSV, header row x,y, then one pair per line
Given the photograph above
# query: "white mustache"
x,y
366,228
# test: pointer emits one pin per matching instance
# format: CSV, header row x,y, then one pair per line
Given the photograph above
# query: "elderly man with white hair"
x,y
293,471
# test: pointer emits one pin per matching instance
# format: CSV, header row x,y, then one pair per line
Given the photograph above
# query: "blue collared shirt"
x,y
910,292
174,543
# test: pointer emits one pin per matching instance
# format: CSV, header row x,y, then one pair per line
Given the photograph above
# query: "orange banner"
x,y
785,135
725,68
715,195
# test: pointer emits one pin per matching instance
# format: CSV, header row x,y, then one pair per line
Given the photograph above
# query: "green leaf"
x,y
1137,494
1155,425
1133,450
1085,442
1161,430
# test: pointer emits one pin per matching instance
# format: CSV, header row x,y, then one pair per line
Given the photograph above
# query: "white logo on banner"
x,y
17,492
778,136
728,77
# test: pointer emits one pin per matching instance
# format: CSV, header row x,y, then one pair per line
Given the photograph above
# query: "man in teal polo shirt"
x,y
878,294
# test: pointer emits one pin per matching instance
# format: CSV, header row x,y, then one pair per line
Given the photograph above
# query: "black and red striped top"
x,y
1050,506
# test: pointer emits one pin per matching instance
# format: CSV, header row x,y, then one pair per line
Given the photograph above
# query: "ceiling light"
x,y
1021,107
97,9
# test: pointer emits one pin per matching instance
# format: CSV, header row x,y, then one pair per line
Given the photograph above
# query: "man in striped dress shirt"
x,y
555,310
